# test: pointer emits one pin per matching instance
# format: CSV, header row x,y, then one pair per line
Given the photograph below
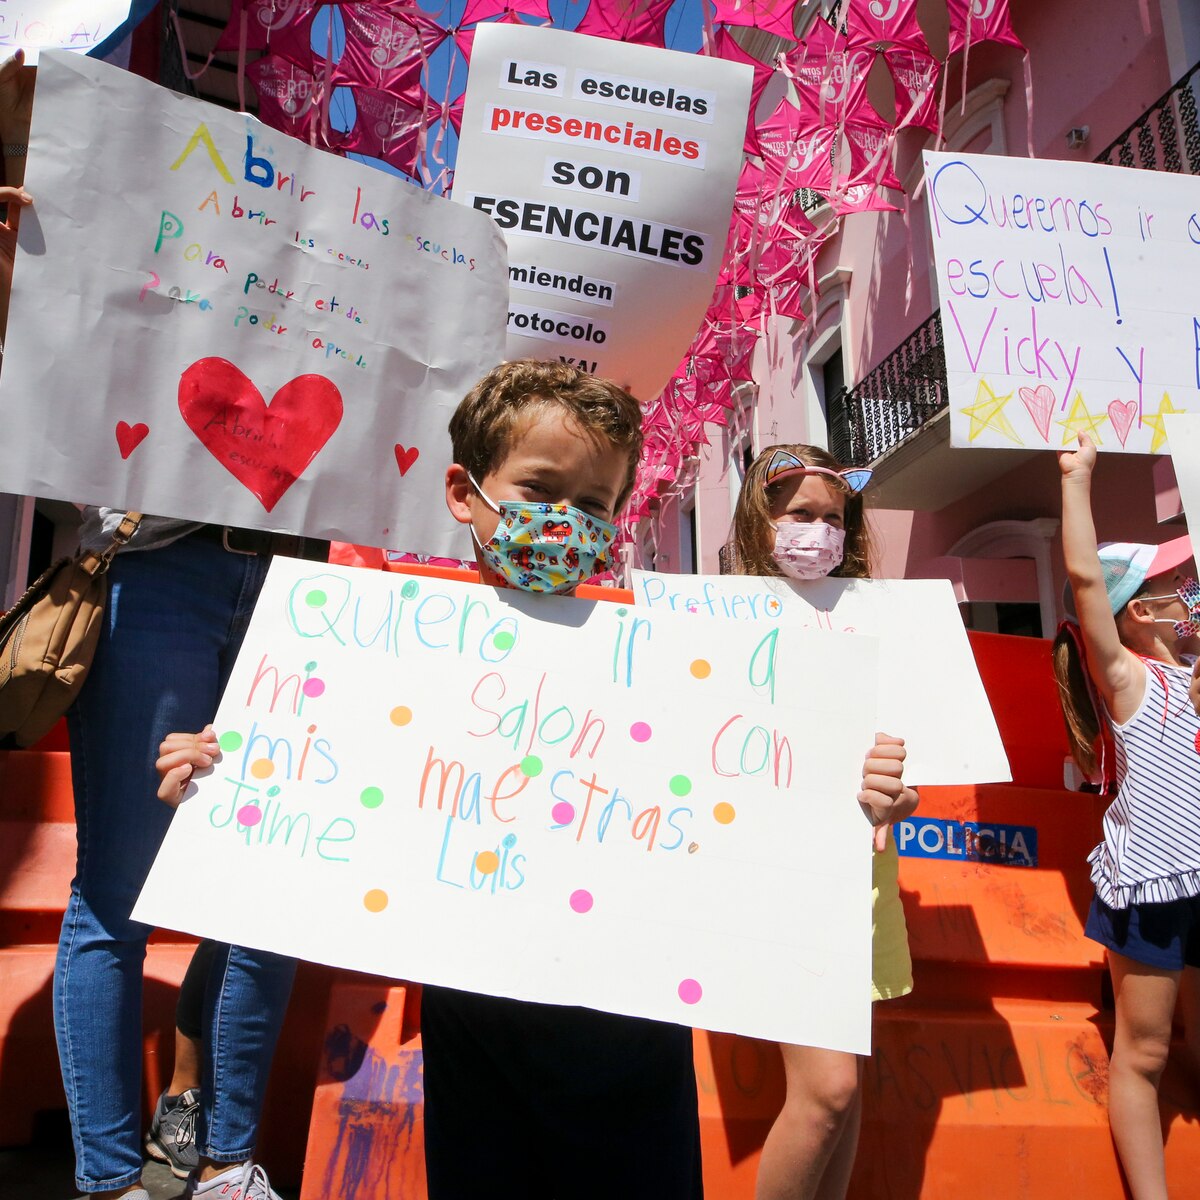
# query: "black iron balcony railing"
x,y
908,387
898,396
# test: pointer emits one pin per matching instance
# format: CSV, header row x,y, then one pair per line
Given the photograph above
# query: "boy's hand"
x,y
884,798
1078,462
178,757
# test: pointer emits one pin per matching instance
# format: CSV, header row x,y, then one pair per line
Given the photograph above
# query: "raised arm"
x,y
1112,667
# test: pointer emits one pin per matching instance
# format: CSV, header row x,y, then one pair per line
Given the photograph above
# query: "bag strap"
x,y
94,563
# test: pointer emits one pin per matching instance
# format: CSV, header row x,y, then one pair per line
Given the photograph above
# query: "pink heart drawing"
x,y
406,458
130,437
265,447
1040,403
1121,414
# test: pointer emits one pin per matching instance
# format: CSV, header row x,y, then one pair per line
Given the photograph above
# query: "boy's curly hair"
x,y
752,535
508,397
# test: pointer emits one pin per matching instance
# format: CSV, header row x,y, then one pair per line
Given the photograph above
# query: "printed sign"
x,y
930,692
79,25
967,841
1068,300
540,797
234,327
611,168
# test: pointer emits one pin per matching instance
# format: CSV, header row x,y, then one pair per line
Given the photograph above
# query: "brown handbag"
x,y
48,638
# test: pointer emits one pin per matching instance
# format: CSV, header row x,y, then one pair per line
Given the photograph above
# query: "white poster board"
x,y
930,692
214,321
1183,436
1070,300
78,25
611,169
540,797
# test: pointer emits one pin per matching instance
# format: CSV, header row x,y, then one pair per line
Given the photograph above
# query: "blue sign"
x,y
968,841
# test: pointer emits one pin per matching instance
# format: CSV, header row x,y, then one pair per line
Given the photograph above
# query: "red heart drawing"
x,y
406,458
130,437
1121,414
265,447
1040,403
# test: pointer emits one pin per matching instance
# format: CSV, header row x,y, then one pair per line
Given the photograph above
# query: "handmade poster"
x,y
540,797
79,25
930,692
611,168
214,321
1183,437
1069,300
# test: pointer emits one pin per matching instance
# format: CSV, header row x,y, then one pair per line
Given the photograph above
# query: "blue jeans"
x,y
175,619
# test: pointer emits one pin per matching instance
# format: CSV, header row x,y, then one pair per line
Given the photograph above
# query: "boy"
x,y
538,1100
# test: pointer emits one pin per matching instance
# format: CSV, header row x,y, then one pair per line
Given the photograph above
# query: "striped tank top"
x,y
1151,848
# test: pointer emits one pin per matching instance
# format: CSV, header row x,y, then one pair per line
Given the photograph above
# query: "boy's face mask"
x,y
544,547
808,551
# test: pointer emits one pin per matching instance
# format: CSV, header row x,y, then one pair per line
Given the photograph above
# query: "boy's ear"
x,y
458,493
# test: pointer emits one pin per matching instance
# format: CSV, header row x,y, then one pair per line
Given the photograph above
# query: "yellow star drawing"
x,y
1157,424
988,413
1079,420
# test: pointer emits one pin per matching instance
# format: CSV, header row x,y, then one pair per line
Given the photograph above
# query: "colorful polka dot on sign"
x,y
487,862
581,900
563,813
724,813
504,640
376,900
680,785
262,768
230,740
531,766
690,991
640,731
400,715
701,668
316,598
313,688
249,815
371,797
410,590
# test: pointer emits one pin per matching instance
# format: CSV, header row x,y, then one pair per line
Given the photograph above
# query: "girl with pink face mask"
x,y
800,515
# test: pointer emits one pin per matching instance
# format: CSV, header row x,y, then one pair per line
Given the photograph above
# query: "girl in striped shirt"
x,y
1123,663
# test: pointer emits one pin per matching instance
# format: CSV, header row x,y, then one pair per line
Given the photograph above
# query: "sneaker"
x,y
172,1136
246,1181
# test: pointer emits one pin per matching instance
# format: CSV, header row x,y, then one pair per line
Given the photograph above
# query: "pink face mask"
x,y
808,551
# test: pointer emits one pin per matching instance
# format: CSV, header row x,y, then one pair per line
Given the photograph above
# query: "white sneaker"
x,y
244,1181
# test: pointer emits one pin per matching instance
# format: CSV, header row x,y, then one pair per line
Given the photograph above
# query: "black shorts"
x,y
1155,935
544,1102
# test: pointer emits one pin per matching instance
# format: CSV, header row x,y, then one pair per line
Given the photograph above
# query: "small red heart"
x,y
130,437
406,458
266,447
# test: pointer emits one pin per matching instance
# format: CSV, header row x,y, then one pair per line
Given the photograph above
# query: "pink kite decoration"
x,y
386,49
860,197
772,16
870,155
880,24
483,10
385,127
795,151
266,20
915,76
724,46
288,95
973,21
640,21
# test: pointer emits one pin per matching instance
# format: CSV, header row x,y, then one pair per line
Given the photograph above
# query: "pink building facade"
x,y
987,519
